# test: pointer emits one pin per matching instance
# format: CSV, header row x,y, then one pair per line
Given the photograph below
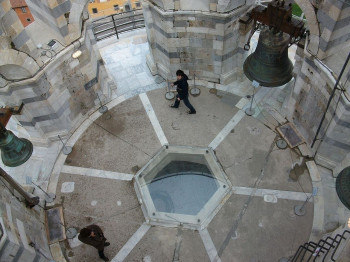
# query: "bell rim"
x,y
21,160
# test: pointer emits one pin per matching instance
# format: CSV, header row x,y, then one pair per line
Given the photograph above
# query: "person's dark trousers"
x,y
101,254
186,102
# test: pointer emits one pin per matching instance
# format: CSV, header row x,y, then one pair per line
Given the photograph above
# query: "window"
x,y
51,43
24,10
28,19
138,4
116,7
94,10
127,8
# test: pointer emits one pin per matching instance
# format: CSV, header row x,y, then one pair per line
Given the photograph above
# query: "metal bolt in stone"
x,y
66,149
102,109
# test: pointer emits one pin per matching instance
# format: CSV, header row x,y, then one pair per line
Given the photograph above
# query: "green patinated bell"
x,y
14,151
269,64
342,185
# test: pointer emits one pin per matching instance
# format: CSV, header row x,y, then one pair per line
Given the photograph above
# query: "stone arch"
x,y
75,20
310,15
14,61
312,22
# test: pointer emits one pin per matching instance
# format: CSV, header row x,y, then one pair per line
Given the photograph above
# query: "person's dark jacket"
x,y
182,87
98,241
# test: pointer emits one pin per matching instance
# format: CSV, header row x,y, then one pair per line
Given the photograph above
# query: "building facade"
x,y
23,12
100,8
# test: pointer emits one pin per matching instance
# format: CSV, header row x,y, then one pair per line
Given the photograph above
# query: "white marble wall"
x,y
207,44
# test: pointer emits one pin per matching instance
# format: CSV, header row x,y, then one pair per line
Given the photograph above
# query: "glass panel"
x,y
181,183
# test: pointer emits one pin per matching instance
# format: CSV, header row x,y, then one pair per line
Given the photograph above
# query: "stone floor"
x,y
256,223
124,139
94,184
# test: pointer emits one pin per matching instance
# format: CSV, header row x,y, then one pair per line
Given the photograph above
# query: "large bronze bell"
x,y
14,151
269,64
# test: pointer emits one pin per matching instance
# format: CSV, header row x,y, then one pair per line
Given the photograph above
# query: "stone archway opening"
x,y
14,72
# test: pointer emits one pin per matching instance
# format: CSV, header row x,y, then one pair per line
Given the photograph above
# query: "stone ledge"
x,y
313,171
57,252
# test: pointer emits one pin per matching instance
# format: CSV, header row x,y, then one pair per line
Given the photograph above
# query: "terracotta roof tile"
x,y
18,3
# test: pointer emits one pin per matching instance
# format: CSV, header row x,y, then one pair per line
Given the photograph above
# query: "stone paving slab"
x,y
191,130
192,247
111,204
157,245
260,234
243,159
242,153
129,122
124,137
278,169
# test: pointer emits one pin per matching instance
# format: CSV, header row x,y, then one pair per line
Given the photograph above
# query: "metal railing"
x,y
312,251
113,25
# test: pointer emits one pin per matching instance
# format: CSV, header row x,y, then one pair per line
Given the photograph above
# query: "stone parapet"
x,y
24,234
61,92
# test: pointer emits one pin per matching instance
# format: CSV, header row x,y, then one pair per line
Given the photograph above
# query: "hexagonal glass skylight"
x,y
182,186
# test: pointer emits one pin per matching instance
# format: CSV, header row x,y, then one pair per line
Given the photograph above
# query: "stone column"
x,y
321,65
201,37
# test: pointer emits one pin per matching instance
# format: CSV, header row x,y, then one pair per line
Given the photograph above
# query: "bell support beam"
x,y
30,200
278,17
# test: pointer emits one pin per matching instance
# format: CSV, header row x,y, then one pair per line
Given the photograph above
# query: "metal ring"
x,y
195,91
169,95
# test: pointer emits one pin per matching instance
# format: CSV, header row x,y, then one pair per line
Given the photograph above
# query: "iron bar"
x,y
336,248
115,28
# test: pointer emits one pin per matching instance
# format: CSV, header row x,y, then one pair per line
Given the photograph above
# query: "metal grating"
x,y
290,134
55,225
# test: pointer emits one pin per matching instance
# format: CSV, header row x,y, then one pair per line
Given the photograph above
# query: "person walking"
x,y
182,91
92,235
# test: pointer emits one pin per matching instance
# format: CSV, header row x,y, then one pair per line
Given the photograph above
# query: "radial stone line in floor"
x,y
132,242
153,118
96,173
299,196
